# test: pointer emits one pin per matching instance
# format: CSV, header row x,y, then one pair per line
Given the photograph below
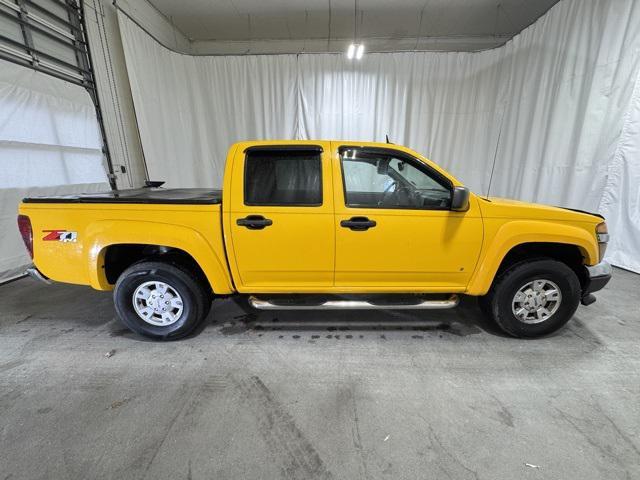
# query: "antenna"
x,y
495,156
387,138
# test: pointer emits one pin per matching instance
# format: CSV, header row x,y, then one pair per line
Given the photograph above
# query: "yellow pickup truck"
x,y
320,225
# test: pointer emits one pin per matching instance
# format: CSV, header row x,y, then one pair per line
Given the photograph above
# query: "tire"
x,y
483,304
140,288
541,311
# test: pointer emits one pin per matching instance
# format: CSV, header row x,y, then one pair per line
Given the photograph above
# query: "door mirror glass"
x,y
460,199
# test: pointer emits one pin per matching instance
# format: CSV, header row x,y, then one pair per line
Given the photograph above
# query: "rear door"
x,y
281,218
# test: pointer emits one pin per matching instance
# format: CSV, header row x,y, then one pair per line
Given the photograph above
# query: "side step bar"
x,y
425,304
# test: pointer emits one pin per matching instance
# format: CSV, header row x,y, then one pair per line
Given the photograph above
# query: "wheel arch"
x,y
518,241
569,254
120,256
153,241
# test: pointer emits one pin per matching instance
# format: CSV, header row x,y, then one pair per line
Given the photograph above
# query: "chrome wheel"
x,y
157,303
536,301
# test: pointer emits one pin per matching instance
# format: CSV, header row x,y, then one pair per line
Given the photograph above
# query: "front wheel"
x,y
533,298
160,300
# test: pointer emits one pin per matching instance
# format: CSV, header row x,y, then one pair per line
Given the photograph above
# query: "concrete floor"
x,y
316,395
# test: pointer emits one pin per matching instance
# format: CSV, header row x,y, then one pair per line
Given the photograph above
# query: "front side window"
x,y
283,178
382,180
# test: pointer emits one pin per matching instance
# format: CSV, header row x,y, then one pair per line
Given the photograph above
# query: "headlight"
x,y
602,233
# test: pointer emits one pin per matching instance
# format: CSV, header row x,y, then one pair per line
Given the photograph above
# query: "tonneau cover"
x,y
189,196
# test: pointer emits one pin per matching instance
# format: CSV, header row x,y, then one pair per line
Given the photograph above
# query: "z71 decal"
x,y
59,236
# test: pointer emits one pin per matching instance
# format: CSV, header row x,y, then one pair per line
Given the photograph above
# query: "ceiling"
x,y
325,25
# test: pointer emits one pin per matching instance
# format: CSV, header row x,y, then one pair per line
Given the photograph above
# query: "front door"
x,y
281,219
394,228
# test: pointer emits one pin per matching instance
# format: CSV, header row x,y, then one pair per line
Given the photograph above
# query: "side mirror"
x,y
460,199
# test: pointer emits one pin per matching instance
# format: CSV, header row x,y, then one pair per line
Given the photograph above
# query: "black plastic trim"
x,y
583,211
595,284
358,224
289,148
254,222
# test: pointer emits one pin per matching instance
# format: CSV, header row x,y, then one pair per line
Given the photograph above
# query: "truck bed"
x,y
183,196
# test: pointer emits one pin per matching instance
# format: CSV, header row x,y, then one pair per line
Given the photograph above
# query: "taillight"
x,y
602,232
24,225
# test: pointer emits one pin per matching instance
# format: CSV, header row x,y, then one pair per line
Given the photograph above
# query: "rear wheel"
x,y
533,298
160,300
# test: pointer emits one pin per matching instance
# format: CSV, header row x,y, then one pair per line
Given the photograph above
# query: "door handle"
x,y
358,224
254,222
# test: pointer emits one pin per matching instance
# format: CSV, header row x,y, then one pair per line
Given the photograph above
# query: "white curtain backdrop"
x,y
560,96
49,144
190,109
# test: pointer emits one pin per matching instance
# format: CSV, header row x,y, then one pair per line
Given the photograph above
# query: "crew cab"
x,y
320,225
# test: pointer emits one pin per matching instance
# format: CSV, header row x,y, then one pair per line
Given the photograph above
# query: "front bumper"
x,y
597,277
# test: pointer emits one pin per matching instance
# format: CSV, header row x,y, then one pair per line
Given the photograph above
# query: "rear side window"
x,y
283,178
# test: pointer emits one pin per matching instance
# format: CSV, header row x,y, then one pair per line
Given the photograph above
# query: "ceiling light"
x,y
355,50
351,51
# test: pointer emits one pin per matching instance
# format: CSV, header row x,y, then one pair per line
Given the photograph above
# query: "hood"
x,y
497,207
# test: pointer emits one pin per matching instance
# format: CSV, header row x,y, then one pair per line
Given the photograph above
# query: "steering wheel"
x,y
388,191
405,195
396,195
